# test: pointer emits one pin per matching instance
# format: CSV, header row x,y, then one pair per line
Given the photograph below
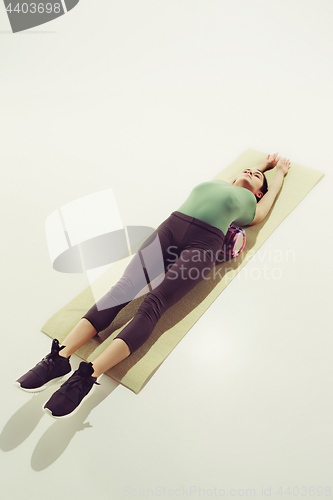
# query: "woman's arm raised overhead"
x,y
267,164
266,202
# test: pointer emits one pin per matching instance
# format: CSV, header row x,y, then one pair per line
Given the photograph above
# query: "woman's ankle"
x,y
64,353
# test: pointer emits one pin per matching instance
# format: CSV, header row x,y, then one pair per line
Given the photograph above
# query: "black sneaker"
x,y
67,399
49,370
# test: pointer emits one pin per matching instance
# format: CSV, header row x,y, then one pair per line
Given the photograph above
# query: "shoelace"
x,y
48,361
79,380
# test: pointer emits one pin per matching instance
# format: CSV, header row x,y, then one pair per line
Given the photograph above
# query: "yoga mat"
x,y
136,370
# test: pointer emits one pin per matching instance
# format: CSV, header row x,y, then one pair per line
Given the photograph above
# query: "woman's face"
x,y
251,179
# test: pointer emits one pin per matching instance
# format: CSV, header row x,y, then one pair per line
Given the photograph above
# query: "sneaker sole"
x,y
48,412
45,386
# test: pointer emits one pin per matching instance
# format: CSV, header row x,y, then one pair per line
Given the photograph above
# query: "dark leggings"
x,y
189,248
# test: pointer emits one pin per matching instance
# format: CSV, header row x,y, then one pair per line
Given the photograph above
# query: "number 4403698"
x,y
33,8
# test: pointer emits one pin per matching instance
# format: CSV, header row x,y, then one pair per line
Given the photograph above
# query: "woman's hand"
x,y
271,161
283,164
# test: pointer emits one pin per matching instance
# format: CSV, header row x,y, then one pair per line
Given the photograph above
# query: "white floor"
x,y
150,98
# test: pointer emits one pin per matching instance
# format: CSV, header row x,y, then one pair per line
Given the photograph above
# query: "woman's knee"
x,y
153,306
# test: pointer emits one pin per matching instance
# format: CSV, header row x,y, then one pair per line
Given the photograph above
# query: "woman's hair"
x,y
264,187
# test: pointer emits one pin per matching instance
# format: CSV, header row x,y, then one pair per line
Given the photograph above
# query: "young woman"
x,y
198,227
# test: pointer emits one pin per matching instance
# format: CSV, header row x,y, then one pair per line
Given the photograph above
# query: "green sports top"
x,y
220,204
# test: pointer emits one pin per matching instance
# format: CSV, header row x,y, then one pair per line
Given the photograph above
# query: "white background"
x,y
151,98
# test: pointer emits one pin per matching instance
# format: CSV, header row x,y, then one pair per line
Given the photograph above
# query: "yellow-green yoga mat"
x,y
135,371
